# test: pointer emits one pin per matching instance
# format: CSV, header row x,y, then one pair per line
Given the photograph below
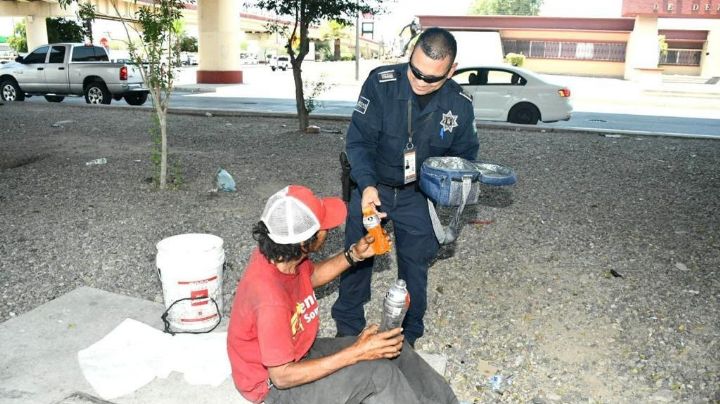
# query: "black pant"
x,y
415,245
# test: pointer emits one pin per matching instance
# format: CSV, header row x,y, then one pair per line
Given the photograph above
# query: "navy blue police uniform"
x,y
376,141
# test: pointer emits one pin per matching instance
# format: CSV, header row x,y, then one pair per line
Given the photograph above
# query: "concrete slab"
x,y
39,353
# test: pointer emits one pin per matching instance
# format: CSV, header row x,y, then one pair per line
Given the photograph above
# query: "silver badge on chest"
x,y
449,121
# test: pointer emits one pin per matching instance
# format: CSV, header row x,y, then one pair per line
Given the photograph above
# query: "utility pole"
x,y
357,45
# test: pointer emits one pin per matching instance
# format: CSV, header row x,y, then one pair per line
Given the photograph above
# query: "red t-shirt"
x,y
274,320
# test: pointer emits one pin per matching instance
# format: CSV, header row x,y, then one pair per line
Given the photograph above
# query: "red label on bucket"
x,y
199,319
199,294
197,281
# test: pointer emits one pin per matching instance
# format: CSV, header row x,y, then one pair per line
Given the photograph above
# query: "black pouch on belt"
x,y
347,183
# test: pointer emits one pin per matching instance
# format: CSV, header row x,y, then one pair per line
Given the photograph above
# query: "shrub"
x,y
515,59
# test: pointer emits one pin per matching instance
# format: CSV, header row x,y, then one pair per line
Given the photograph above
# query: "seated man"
x,y
272,344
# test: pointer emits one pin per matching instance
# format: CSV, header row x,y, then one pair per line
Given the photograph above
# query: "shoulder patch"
x,y
466,95
362,105
387,75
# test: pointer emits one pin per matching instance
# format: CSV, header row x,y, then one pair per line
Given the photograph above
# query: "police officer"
x,y
405,114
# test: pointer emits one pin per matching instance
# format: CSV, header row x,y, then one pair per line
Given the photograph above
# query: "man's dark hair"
x,y
437,44
279,252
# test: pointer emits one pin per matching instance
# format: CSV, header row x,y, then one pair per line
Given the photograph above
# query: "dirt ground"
x,y
594,279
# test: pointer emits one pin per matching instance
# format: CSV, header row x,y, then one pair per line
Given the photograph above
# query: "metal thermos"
x,y
395,305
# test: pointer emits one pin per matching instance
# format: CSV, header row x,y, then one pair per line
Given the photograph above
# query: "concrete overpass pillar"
x,y
36,30
642,53
219,41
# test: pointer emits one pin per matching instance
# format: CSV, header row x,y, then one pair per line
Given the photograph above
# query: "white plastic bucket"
x,y
190,267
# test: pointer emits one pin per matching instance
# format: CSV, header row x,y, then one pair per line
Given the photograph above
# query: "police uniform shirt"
x,y
378,133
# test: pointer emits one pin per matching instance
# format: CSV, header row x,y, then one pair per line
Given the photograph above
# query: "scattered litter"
x,y
228,124
312,129
59,124
613,136
693,292
208,114
334,131
283,126
138,161
499,383
615,273
482,222
224,181
96,162
681,266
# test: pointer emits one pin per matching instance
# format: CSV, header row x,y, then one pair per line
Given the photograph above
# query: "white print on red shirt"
x,y
307,310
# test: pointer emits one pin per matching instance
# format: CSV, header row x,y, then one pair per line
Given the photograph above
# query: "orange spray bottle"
x,y
371,221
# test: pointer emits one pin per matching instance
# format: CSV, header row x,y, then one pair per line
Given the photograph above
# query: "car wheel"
x,y
273,68
524,113
54,98
10,91
136,99
97,93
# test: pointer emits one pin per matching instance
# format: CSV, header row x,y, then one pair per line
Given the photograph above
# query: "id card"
x,y
409,165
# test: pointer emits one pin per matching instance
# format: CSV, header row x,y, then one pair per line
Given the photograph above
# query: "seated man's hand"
x,y
372,344
363,248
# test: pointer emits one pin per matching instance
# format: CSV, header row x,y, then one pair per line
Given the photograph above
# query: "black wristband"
x,y
349,258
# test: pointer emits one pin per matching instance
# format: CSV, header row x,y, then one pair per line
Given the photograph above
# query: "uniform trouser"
x,y
415,245
407,379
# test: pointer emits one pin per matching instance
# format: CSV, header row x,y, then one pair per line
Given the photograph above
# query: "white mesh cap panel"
x,y
288,220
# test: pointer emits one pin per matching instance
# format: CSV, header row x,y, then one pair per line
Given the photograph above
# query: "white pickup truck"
x,y
62,69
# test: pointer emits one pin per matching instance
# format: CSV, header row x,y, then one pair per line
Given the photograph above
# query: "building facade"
x,y
626,46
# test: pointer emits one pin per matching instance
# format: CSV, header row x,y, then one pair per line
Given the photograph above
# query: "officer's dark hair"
x,y
279,252
437,44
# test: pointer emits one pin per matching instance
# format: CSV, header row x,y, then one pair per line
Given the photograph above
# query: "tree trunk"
x,y
162,117
302,111
336,51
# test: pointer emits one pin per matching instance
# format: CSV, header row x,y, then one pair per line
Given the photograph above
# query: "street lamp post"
x,y
357,46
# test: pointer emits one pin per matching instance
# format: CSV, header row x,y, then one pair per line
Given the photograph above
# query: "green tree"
x,y
303,13
63,30
19,39
188,44
334,31
158,26
662,45
505,7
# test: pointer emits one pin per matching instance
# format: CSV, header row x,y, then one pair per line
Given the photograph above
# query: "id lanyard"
x,y
410,174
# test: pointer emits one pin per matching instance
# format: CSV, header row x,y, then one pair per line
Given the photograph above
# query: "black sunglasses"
x,y
428,79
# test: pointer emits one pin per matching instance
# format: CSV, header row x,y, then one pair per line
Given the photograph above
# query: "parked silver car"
x,y
513,94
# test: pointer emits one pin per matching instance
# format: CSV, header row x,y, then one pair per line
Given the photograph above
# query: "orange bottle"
x,y
371,221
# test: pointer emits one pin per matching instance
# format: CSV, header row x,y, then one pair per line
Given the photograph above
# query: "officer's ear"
x,y
452,70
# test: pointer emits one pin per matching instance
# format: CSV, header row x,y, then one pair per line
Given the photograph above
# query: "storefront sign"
x,y
672,8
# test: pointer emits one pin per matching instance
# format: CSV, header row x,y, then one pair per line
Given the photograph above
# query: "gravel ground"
x,y
594,279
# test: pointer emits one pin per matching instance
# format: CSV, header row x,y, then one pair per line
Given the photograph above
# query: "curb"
x,y
481,124
487,125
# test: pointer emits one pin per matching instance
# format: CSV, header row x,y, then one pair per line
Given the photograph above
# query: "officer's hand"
x,y
370,197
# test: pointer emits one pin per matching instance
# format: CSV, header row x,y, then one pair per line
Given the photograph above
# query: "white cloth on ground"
x,y
134,353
